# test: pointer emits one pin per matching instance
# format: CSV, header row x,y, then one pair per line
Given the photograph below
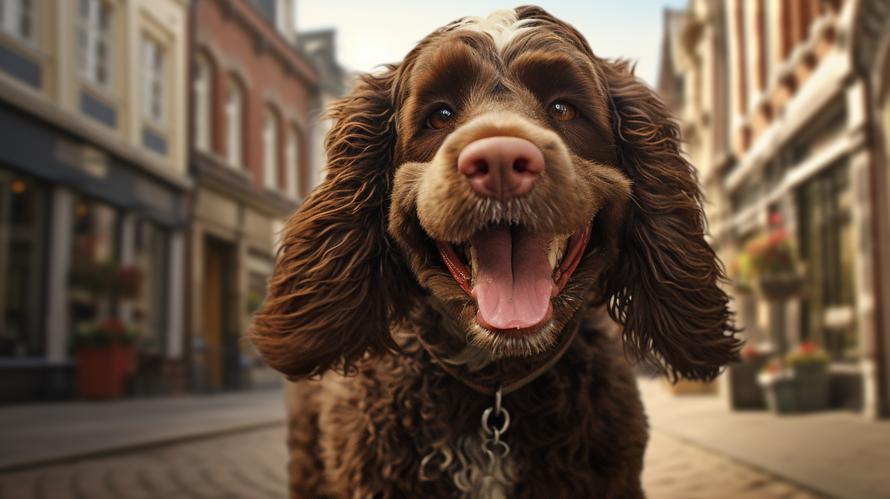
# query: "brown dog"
x,y
487,201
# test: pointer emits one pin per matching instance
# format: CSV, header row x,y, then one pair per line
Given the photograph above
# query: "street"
x,y
250,465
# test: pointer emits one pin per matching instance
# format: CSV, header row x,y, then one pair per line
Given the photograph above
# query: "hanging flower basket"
x,y
780,287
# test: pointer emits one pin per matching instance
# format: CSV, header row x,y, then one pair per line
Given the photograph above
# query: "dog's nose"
x,y
501,167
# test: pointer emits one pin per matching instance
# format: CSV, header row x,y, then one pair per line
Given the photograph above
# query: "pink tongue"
x,y
513,280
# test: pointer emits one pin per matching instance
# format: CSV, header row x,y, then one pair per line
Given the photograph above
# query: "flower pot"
x,y
811,381
102,370
744,391
781,396
780,287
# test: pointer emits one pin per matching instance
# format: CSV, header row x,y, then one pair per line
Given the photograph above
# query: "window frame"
x,y
202,90
271,148
11,26
153,79
89,37
235,123
292,161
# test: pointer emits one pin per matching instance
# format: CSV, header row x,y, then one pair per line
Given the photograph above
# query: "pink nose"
x,y
501,167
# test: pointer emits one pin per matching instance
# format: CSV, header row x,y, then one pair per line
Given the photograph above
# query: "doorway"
x,y
220,322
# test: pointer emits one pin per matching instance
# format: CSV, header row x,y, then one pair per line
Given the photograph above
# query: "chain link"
x,y
492,445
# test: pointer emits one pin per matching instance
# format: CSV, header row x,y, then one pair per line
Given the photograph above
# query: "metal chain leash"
x,y
492,445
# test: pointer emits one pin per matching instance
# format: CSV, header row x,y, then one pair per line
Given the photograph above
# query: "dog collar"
x,y
507,386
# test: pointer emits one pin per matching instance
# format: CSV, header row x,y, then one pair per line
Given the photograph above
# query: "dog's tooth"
x,y
472,262
552,253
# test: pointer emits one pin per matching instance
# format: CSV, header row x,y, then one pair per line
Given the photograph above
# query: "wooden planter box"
x,y
103,370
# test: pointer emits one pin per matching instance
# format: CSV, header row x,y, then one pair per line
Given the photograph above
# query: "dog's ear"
x,y
331,298
664,288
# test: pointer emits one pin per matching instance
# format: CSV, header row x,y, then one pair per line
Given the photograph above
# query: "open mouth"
x,y
513,274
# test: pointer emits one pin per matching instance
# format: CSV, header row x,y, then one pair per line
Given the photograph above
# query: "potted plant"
x,y
778,385
105,358
773,261
809,363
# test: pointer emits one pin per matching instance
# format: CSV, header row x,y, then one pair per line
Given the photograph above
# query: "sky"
x,y
371,33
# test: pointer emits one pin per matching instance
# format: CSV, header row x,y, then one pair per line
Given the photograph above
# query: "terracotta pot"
x,y
780,287
102,370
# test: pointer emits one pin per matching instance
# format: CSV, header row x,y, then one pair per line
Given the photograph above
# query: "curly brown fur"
x,y
362,277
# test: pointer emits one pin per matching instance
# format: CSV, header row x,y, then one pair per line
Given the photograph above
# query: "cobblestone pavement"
x,y
250,465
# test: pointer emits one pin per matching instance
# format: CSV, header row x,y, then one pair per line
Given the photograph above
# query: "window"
x,y
292,162
270,150
234,120
24,206
150,261
828,247
152,81
17,19
202,96
94,42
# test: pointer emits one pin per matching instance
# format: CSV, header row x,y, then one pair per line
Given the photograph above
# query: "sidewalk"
x,y
839,454
45,433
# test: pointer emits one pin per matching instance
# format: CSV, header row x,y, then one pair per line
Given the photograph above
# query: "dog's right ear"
x,y
332,295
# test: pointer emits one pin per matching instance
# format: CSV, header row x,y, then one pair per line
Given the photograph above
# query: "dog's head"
x,y
516,177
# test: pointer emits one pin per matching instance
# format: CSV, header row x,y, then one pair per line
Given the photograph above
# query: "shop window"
x,y
95,265
149,271
23,233
94,41
827,248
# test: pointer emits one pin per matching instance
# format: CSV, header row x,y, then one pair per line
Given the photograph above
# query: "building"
x,y
252,99
334,80
93,180
784,125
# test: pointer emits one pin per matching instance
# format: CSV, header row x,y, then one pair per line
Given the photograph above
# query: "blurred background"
x,y
150,151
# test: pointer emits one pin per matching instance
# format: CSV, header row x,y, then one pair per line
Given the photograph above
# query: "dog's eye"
x,y
562,111
440,118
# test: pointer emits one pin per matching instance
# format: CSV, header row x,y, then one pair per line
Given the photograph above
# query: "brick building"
x,y
783,124
252,93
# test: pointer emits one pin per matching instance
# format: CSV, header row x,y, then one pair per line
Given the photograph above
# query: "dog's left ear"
x,y
664,289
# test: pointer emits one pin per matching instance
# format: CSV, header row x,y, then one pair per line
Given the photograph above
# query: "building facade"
x,y
252,97
93,182
778,118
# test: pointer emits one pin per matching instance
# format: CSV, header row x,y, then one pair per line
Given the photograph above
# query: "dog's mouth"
x,y
513,274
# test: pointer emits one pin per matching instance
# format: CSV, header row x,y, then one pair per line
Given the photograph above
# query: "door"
x,y
214,290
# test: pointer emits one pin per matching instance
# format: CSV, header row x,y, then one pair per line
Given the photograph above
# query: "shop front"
x,y
88,237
